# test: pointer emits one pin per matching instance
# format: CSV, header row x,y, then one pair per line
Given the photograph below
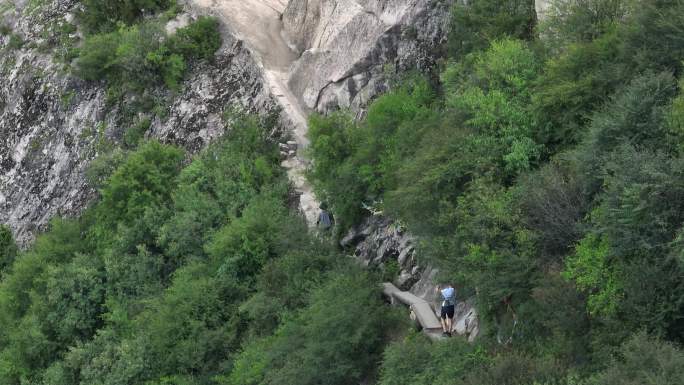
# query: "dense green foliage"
x,y
107,15
8,249
543,174
337,339
476,23
140,56
175,269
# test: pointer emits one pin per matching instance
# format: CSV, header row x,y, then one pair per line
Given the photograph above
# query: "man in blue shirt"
x,y
448,294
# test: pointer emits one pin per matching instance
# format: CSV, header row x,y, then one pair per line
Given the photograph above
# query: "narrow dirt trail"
x,y
258,23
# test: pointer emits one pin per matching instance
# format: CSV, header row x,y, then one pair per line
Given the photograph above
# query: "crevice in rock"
x,y
332,13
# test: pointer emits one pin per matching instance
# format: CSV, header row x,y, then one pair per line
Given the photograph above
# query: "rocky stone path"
x,y
421,311
258,23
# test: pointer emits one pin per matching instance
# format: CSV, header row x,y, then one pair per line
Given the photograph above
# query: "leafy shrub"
x,y
200,39
590,269
104,16
308,349
121,57
15,42
135,134
475,24
644,359
416,360
356,163
141,56
146,179
8,249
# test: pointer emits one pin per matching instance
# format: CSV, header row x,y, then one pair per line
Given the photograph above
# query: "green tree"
x,y
243,246
308,349
590,269
417,360
146,179
73,300
357,162
644,359
573,84
476,23
104,16
492,91
574,21
8,249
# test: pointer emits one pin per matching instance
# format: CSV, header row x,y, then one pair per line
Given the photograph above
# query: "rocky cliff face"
x,y
382,243
53,125
348,48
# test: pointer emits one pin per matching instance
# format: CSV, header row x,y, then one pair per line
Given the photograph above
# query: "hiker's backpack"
x,y
324,220
451,299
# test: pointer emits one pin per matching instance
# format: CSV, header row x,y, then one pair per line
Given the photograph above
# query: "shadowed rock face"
x,y
348,47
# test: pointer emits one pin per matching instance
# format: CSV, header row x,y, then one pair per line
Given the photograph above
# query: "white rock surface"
x,y
542,8
346,46
258,23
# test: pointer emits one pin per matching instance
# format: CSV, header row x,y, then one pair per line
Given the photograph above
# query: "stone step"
x,y
407,298
389,289
426,316
422,310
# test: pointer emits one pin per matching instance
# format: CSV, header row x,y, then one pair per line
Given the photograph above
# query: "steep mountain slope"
x,y
54,124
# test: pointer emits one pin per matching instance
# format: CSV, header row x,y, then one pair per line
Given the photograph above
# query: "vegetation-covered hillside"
x,y
543,174
541,168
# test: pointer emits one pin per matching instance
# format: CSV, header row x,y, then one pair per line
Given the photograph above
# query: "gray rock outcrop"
x,y
542,7
53,125
382,243
349,47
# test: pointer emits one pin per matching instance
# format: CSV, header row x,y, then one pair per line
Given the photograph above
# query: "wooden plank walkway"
x,y
425,315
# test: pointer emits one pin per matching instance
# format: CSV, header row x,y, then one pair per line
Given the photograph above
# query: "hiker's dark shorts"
x,y
448,311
